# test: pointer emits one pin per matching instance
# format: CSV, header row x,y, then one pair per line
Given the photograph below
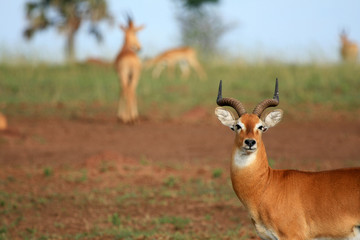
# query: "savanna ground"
x,y
69,170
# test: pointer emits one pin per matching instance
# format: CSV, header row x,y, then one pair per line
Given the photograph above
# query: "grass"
x,y
48,171
178,222
217,173
89,90
170,181
115,219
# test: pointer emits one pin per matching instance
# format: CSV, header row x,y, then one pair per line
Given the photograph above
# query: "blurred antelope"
x,y
184,56
287,204
349,50
128,67
97,62
3,122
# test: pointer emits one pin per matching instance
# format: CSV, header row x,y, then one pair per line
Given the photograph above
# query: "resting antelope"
x,y
287,204
184,56
128,68
349,50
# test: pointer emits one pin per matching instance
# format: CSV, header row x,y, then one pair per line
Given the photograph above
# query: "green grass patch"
x,y
115,220
216,173
74,91
48,171
179,223
170,182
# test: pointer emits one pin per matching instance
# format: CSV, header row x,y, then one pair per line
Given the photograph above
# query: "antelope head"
x,y
130,31
343,36
248,127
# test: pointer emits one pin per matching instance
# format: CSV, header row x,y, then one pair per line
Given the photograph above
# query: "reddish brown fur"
x,y
3,122
174,56
97,62
295,204
128,67
349,50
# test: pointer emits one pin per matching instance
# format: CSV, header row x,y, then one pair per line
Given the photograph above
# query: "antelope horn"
x,y
231,102
259,109
129,19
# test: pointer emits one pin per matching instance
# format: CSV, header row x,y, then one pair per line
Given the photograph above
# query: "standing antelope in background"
x,y
184,56
349,50
287,204
128,68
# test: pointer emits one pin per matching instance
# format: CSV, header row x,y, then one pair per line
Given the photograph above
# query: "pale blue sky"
x,y
294,31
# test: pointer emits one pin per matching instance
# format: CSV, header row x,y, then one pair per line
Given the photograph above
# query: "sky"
x,y
290,31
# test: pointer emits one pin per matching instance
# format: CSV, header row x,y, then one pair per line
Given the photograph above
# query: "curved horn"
x,y
259,109
231,102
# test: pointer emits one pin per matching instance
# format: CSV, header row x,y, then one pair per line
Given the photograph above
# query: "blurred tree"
x,y
200,26
197,3
66,16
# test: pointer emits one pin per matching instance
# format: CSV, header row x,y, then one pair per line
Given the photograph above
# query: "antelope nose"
x,y
250,142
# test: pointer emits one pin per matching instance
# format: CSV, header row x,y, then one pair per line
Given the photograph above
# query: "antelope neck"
x,y
250,174
127,47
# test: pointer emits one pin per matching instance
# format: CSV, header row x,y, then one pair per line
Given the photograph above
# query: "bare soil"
x,y
60,177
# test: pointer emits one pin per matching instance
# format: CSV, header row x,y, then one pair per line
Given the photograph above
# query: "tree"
x,y
67,16
201,26
191,4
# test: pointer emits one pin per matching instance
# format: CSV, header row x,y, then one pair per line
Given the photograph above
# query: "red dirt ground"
x,y
145,154
57,142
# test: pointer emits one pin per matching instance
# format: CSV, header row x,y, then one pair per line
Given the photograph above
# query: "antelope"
x,y
3,122
287,204
128,68
349,50
184,56
97,62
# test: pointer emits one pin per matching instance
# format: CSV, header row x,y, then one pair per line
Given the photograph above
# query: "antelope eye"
x,y
237,127
261,128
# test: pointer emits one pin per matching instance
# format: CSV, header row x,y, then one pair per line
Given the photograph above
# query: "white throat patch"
x,y
241,159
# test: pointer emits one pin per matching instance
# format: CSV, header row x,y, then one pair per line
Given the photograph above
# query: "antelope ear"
x,y
123,27
225,117
139,28
273,118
